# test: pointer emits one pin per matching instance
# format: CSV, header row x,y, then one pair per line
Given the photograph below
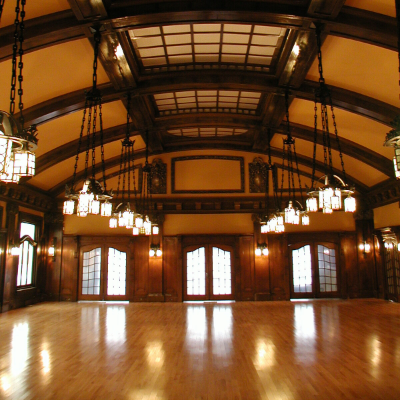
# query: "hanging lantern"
x,y
17,145
93,194
334,188
113,223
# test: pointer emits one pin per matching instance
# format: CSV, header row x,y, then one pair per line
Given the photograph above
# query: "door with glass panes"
x,y
208,272
314,270
103,273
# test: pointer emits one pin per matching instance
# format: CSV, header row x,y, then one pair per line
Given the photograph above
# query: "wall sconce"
x,y
365,247
389,245
52,249
261,250
156,229
14,250
155,250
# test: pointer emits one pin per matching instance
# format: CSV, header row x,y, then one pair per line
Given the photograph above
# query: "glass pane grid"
x,y
302,273
185,46
196,272
222,284
207,101
26,255
116,281
327,269
206,132
91,270
389,271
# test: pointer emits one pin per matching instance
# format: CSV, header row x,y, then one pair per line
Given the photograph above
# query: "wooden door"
x,y
314,270
208,272
103,273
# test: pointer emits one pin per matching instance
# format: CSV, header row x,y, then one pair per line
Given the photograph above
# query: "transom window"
x,y
197,46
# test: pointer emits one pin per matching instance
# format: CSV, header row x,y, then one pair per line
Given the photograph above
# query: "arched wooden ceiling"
x,y
170,55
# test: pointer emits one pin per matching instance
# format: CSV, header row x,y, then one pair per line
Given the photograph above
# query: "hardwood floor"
x,y
324,349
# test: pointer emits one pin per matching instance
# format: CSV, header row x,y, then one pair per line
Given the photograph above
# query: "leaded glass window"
x,y
327,269
196,272
302,273
91,271
221,271
116,283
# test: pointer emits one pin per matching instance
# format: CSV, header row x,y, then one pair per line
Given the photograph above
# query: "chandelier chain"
x,y
79,144
298,172
1,7
120,169
20,63
328,138
337,139
129,146
94,140
103,163
324,141
124,174
97,38
315,141
88,140
321,75
283,175
14,60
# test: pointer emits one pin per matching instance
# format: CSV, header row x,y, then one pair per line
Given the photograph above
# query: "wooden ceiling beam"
x,y
64,26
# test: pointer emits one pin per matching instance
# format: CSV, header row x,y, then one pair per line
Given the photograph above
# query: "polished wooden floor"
x,y
324,349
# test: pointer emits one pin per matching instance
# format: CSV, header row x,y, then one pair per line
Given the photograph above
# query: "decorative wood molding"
x,y
23,195
258,171
158,177
228,158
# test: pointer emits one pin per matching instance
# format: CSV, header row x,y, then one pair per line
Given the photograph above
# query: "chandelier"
x,y
17,144
332,193
393,140
143,222
93,198
293,212
124,215
272,222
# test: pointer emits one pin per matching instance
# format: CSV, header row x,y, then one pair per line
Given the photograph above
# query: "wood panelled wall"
x,y
255,278
265,278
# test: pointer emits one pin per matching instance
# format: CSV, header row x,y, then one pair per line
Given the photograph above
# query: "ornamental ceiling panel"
x,y
207,101
206,132
168,47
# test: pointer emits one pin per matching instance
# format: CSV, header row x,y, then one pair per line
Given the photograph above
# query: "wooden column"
x,y
11,262
261,266
69,269
53,228
156,292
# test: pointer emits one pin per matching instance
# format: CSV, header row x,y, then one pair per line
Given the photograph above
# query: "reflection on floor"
x,y
240,351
